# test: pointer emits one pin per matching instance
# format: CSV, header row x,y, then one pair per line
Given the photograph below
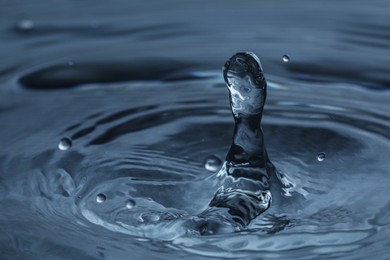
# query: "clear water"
x,y
115,119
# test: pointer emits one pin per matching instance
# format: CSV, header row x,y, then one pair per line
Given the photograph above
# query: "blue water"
x,y
136,90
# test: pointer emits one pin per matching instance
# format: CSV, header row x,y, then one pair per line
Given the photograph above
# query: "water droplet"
x,y
65,144
100,198
321,156
25,25
212,163
286,58
130,204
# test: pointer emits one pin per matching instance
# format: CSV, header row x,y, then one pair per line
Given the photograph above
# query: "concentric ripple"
x,y
135,172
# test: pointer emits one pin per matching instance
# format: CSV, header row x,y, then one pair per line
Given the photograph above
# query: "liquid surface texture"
x,y
247,169
117,132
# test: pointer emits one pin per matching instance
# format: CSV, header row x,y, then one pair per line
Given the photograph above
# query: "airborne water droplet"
x,y
212,163
65,144
130,204
286,58
321,156
100,198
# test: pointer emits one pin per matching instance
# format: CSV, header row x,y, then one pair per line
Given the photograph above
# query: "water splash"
x,y
309,110
247,169
241,183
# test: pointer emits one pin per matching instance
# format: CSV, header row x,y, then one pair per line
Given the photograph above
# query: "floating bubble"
x,y
65,144
321,156
70,63
130,204
25,25
286,58
100,198
212,163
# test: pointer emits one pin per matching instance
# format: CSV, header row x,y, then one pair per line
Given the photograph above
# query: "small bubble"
x,y
321,156
100,198
70,63
212,163
25,25
286,58
65,144
130,204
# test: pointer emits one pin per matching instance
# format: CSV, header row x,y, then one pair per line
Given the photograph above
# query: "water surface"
x,y
112,114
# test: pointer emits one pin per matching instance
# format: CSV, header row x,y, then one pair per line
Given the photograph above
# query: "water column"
x,y
246,172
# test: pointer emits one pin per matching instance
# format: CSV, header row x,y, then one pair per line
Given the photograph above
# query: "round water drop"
x,y
286,58
100,198
25,25
65,144
321,156
212,163
130,204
